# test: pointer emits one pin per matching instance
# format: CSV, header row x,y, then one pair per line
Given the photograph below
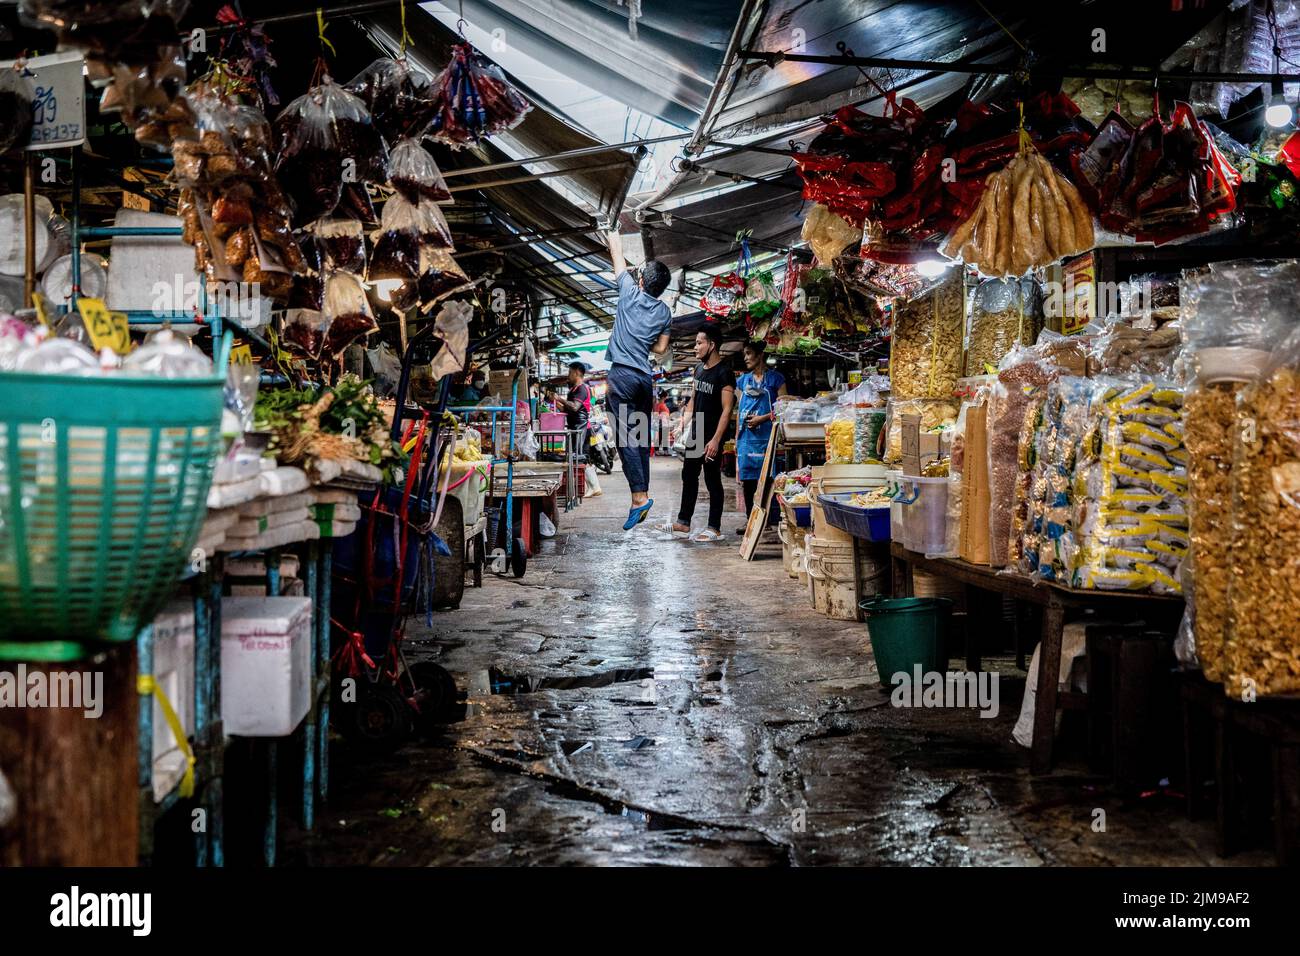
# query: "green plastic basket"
x,y
103,489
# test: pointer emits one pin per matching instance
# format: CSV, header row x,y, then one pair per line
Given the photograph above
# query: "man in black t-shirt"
x,y
708,416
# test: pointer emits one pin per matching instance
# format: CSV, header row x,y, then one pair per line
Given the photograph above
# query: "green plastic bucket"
x,y
906,632
103,489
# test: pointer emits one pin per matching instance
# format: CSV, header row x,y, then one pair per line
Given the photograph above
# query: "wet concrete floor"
x,y
638,699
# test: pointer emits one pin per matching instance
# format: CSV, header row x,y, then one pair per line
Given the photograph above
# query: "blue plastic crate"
x,y
869,524
802,513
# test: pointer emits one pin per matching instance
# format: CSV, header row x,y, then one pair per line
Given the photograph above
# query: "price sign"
x,y
57,85
107,330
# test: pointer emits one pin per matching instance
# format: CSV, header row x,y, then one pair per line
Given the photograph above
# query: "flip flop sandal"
x,y
708,534
636,515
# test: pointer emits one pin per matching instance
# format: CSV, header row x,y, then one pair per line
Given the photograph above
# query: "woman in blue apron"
x,y
758,390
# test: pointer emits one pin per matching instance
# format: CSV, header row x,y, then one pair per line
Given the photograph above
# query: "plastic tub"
x,y
831,581
906,633
869,524
925,514
798,515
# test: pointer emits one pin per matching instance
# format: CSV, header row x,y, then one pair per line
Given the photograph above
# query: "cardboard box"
x,y
919,447
975,490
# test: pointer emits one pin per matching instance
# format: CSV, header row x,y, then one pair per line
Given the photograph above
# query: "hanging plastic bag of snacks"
x,y
723,297
347,314
840,433
402,101
762,301
327,138
304,331
475,99
440,277
397,242
1004,312
414,174
342,244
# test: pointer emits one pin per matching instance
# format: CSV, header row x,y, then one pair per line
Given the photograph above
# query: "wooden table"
x,y
1055,600
532,479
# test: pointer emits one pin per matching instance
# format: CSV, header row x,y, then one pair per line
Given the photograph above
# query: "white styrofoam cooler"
x,y
173,670
265,664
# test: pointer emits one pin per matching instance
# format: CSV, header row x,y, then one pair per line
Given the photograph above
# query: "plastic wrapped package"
x,y
827,234
1004,313
15,109
839,436
342,244
346,312
1022,379
402,101
1262,655
936,414
440,277
1246,304
474,99
414,174
868,423
303,332
925,356
1209,422
326,137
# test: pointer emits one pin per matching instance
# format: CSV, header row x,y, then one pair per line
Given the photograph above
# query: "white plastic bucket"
x,y
925,515
832,587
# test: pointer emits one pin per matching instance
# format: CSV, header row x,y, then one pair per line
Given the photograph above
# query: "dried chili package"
x,y
326,139
15,108
303,331
440,277
397,242
414,174
346,311
342,244
402,101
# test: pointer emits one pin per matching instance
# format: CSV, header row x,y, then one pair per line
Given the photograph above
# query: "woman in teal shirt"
x,y
758,389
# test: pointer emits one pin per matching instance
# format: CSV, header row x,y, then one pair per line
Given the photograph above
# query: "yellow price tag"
x,y
241,355
107,330
38,301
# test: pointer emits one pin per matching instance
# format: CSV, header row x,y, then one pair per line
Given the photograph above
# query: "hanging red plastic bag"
x,y
724,295
474,99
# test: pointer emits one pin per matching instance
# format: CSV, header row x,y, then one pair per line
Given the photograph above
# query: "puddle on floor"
x,y
503,683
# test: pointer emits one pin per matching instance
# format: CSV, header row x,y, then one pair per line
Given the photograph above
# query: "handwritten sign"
x,y
107,330
57,84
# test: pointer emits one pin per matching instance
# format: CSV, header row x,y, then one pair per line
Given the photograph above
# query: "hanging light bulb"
x,y
1278,113
384,288
932,267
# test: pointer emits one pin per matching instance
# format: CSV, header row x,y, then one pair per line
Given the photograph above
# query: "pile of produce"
x,y
339,423
1029,216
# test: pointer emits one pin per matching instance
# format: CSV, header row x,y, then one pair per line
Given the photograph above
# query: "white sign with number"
x,y
58,88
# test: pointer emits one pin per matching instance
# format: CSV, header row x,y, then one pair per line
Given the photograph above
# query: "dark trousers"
x,y
629,395
691,468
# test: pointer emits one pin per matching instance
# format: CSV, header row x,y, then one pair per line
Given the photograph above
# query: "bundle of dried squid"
x,y
1029,216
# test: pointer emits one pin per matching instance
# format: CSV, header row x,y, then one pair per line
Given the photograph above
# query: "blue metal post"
x,y
272,804
312,580
203,703
272,559
214,738
144,720
323,759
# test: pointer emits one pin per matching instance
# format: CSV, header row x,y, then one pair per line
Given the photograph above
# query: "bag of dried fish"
x,y
1004,313
1263,646
342,243
925,357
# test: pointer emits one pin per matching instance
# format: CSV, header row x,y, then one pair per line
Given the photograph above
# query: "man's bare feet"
x,y
681,528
